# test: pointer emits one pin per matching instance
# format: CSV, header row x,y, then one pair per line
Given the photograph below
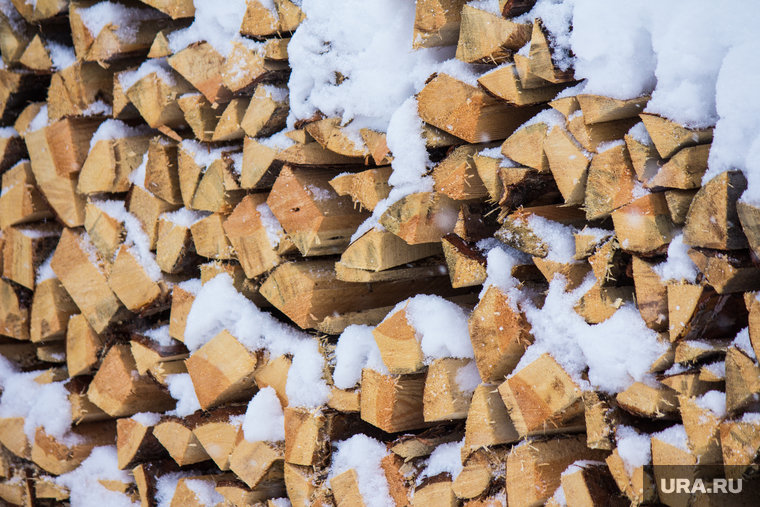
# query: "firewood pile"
x,y
207,301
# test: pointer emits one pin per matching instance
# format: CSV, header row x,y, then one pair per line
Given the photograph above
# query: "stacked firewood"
x,y
153,200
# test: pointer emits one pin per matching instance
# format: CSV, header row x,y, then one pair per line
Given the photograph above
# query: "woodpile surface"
x,y
158,248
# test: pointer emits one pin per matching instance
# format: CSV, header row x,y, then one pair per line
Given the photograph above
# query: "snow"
x,y
45,272
125,19
634,448
218,306
203,155
40,120
355,351
491,6
116,129
181,389
205,492
217,23
718,369
276,93
237,162
602,147
559,497
193,286
320,194
441,327
98,108
363,454
184,217
715,401
147,418
557,17
446,458
271,225
154,65
62,56
468,377
549,117
160,335
500,261
679,265
559,238
614,360
264,419
277,142
84,482
639,133
742,342
674,436
166,485
7,132
137,177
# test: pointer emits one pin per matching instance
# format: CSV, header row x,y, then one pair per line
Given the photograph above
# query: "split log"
x,y
393,403
651,294
435,491
602,417
331,134
59,457
83,346
669,137
445,398
684,170
593,136
237,493
646,161
135,285
638,484
487,38
200,114
136,443
220,432
505,83
424,217
176,435
82,89
437,23
713,220
155,96
51,308
610,184
175,249
378,251
260,21
209,237
542,59
652,402
599,109
229,127
732,271
456,177
534,468
21,202
222,371
13,437
120,391
267,111
14,310
702,427
526,147
591,484
175,8
109,164
257,463
17,88
161,171
218,189
742,380
25,249
542,399
202,66
12,147
600,303
147,208
644,226
377,144
469,113
466,262
740,442
568,163
194,491
366,188
148,353
106,232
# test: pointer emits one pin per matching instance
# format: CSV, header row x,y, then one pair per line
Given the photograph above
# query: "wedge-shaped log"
x,y
25,249
543,399
120,391
83,346
174,8
643,400
177,437
591,484
200,114
646,161
51,308
220,432
437,23
21,202
183,296
175,249
610,183
378,251
446,396
742,380
260,21
393,403
14,310
257,463
110,162
487,38
423,217
148,353
366,188
82,89
726,272
317,220
684,170
534,468
136,443
220,375
209,237
155,96
201,66
713,220
244,68
229,127
569,163
542,58
526,147
161,171
599,109
702,427
469,113
267,111
456,176
58,457
644,226
134,284
669,137
593,136
740,442
651,294
147,208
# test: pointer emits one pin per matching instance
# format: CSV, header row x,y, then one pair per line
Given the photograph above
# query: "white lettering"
x,y
682,485
664,486
731,485
719,485
698,486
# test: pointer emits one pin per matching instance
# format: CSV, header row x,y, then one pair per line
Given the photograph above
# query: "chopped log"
x,y
599,109
600,303
83,346
237,493
80,90
739,442
257,463
565,105
602,417
671,458
110,163
220,432
466,263
366,188
58,457
593,136
15,36
669,137
399,346
499,333
123,109
161,172
534,468
202,66
229,127
13,438
249,231
317,220
51,150
644,400
148,352
17,490
200,114
336,324
194,491
222,371
267,111
175,8
638,485
377,145
14,310
610,264
419,270
120,391
393,403
702,427
106,232
21,202
209,237
684,170
300,482
25,249
12,147
331,134
147,208
77,267
469,113
591,484
610,184
423,217
713,220
177,437
217,191
434,491
136,443
726,272
542,399
528,79
17,88
646,161
445,398
568,163
487,38
274,374
175,249
379,251
261,21
345,400
456,177
51,308
525,147
476,475
651,294
135,286
155,96
437,23
742,380
541,57
505,83
749,216
644,226
46,488
182,300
